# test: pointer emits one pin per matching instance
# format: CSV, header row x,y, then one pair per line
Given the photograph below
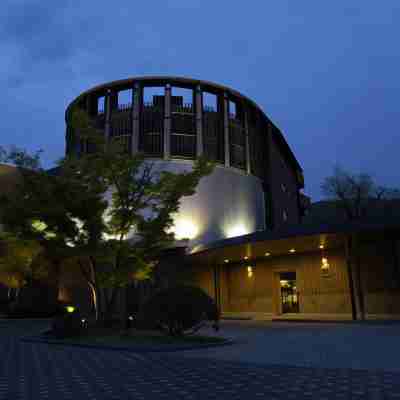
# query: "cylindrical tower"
x,y
174,120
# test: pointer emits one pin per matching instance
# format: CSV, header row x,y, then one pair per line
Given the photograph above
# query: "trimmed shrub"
x,y
18,310
177,311
67,325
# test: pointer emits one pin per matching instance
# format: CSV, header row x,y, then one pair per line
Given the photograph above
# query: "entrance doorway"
x,y
289,295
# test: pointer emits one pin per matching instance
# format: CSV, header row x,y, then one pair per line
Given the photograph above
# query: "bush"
x,y
177,311
18,310
67,325
4,306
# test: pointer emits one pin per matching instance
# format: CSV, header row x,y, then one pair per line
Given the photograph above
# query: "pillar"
x,y
247,143
137,99
199,121
107,106
225,110
167,121
350,277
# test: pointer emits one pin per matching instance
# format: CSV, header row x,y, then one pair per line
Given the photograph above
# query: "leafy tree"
x,y
18,262
355,194
21,158
120,241
109,211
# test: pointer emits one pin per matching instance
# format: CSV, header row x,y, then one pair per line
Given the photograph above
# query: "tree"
x,y
109,211
121,242
358,196
355,194
18,264
21,158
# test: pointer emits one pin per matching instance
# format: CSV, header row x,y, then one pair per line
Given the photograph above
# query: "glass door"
x,y
289,295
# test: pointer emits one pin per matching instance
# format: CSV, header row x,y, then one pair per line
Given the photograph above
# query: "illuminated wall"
x,y
227,203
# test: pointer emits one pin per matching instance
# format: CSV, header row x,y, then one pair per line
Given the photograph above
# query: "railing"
x,y
183,145
237,156
124,141
151,143
124,107
209,109
186,108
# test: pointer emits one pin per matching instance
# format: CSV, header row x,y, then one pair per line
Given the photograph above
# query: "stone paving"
x,y
41,371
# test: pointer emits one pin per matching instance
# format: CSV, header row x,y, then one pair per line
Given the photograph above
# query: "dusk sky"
x,y
326,72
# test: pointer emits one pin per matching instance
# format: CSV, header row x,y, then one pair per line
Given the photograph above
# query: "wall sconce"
x,y
70,309
249,271
325,264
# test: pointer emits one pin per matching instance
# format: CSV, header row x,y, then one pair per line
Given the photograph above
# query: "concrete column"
x,y
350,277
247,142
225,110
268,176
167,121
107,106
136,107
199,121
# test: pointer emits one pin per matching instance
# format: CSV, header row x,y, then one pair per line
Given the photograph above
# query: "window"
x,y
284,215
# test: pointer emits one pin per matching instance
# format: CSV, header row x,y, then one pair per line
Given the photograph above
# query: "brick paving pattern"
x,y
41,371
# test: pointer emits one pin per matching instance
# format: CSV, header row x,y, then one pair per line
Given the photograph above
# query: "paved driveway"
x,y
41,371
370,345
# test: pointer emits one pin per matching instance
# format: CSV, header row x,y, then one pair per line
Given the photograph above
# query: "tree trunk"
x,y
95,297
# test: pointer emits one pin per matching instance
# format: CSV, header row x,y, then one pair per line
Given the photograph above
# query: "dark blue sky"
x,y
326,72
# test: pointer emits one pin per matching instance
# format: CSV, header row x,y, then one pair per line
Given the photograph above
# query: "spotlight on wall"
x,y
292,250
70,309
249,271
184,229
237,230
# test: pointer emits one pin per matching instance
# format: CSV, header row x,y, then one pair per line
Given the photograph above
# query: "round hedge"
x,y
178,310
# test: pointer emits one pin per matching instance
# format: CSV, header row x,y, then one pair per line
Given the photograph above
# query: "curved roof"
x,y
159,80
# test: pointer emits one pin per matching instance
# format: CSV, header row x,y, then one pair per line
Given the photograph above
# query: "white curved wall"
x,y
227,203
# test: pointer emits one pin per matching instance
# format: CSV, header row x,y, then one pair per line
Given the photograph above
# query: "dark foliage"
x,y
4,306
17,310
68,325
177,311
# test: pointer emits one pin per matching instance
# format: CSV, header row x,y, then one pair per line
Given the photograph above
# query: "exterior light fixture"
x,y
184,229
249,271
267,254
292,250
83,320
226,260
324,264
246,258
70,309
130,318
321,246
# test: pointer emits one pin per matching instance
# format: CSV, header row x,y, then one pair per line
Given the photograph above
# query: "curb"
x,y
133,349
